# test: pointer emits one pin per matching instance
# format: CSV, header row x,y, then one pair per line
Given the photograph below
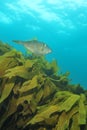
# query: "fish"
x,y
35,47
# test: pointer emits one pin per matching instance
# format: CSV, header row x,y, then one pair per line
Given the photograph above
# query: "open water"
x,y
62,24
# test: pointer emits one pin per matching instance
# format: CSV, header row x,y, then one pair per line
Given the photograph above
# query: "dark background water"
x,y
61,24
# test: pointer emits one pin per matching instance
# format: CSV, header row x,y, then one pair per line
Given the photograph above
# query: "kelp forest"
x,y
35,96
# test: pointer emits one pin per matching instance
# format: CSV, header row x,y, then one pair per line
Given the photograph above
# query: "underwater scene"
x,y
43,65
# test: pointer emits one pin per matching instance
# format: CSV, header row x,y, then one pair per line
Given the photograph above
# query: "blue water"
x,y
61,24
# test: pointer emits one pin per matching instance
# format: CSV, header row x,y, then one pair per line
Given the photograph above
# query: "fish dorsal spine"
x,y
34,39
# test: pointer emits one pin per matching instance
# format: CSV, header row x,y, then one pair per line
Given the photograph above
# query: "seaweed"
x,y
35,96
4,48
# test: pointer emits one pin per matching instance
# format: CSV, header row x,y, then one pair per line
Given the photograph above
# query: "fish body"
x,y
36,47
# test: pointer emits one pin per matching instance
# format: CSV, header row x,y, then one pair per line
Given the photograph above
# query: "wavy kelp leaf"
x,y
75,125
64,77
63,121
15,56
27,111
49,88
69,103
82,110
54,66
66,100
39,95
70,114
4,65
62,93
29,63
6,91
8,61
12,53
61,125
25,87
47,91
61,81
22,99
11,108
60,97
33,105
43,115
38,66
43,66
51,68
19,71
29,107
52,120
29,85
2,85
16,90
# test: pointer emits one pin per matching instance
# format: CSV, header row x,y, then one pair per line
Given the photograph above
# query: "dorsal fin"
x,y
34,39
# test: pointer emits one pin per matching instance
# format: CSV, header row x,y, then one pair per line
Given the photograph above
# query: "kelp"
x,y
34,96
8,61
75,125
43,115
82,110
4,48
68,104
6,91
51,68
19,71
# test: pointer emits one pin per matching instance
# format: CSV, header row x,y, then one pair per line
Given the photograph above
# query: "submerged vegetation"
x,y
33,96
